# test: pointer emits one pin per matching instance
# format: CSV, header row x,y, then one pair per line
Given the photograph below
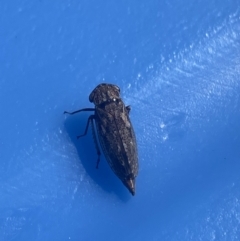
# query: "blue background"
x,y
178,66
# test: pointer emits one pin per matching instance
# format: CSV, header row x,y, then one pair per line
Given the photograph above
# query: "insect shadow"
x,y
103,176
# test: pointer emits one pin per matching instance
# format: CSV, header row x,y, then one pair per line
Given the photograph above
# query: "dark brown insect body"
x,y
115,132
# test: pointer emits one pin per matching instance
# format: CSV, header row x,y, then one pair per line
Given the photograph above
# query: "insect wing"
x,y
117,139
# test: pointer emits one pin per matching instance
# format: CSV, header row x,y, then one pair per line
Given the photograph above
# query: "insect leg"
x,y
74,112
128,108
90,118
96,143
90,121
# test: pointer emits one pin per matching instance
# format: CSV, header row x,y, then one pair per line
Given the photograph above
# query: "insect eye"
x,y
116,87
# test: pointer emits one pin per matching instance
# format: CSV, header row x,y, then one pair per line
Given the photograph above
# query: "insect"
x,y
115,132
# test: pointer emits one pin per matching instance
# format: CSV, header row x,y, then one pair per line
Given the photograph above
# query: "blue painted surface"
x,y
178,66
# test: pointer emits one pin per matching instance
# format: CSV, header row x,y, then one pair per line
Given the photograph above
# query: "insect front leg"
x,y
74,112
90,121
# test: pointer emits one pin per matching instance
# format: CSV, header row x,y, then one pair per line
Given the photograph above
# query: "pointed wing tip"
x,y
130,184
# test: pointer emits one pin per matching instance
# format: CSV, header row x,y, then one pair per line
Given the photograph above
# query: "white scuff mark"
x,y
139,76
165,137
75,189
81,178
162,125
150,66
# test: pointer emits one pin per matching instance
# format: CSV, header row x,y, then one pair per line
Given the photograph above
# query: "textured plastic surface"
x,y
178,66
